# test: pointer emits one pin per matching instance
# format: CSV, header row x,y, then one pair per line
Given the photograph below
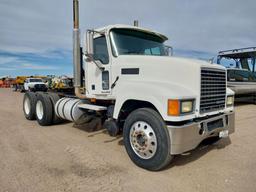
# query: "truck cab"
x,y
129,65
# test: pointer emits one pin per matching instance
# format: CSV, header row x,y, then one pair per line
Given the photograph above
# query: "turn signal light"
x,y
173,107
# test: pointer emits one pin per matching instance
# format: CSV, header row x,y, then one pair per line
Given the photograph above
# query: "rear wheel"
x,y
29,105
147,140
44,109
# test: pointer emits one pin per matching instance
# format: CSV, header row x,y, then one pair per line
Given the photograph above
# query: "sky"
x,y
36,35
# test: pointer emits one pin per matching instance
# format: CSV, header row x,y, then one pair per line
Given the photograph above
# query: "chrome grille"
x,y
213,90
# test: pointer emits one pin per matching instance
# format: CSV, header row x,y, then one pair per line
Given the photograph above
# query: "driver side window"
x,y
100,50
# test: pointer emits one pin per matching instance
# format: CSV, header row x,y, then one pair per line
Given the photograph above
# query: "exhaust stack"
x,y
76,51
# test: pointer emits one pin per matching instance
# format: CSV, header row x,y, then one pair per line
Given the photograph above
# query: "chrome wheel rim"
x,y
143,140
27,105
39,110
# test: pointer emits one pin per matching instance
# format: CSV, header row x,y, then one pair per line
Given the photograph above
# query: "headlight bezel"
x,y
178,107
228,104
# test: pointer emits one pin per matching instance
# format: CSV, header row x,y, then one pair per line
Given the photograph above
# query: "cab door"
x,y
98,79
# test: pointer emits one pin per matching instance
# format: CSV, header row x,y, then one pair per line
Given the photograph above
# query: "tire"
x,y
44,109
54,98
29,105
159,156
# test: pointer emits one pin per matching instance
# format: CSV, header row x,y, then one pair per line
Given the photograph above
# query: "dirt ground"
x,y
64,158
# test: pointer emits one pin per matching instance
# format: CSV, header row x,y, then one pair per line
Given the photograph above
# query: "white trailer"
x,y
163,105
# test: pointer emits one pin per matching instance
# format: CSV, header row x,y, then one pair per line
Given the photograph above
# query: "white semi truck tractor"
x,y
163,105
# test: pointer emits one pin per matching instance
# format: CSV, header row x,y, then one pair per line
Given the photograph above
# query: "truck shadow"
x,y
92,126
188,157
98,131
203,148
179,160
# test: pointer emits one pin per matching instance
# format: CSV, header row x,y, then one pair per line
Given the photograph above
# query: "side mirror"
x,y
211,60
89,44
89,54
168,50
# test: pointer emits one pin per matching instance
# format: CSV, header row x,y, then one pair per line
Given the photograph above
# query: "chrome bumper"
x,y
189,136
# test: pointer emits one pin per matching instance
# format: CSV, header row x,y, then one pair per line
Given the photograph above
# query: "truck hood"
x,y
156,79
160,61
181,72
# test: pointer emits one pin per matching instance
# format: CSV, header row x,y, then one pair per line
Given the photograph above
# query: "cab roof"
x,y
239,53
121,26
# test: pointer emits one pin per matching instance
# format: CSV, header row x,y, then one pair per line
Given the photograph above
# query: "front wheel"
x,y
147,139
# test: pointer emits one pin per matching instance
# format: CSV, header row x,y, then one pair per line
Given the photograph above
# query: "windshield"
x,y
133,42
35,80
247,63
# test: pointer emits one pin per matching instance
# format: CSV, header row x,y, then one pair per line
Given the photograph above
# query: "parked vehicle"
x,y
34,84
62,84
6,82
163,105
241,73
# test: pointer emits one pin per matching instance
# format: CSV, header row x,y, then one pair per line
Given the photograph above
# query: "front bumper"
x,y
189,136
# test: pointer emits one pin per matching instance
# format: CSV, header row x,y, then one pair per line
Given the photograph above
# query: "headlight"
x,y
230,101
180,107
186,106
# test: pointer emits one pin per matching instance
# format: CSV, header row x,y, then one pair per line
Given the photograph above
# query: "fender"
x,y
156,93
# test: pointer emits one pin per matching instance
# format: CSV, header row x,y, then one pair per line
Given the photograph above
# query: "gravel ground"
x,y
64,158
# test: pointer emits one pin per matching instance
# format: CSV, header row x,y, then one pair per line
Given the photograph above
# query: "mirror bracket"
x,y
89,58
